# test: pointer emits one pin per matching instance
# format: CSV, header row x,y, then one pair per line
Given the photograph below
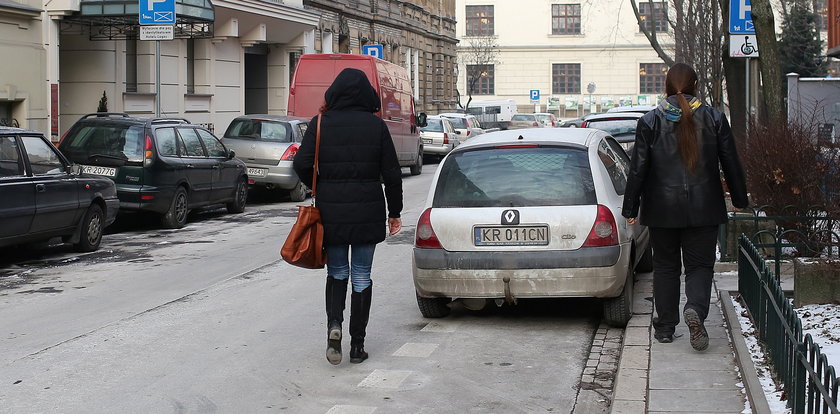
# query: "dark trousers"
x,y
696,245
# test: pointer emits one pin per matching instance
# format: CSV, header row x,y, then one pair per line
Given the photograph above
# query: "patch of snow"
x,y
772,391
822,322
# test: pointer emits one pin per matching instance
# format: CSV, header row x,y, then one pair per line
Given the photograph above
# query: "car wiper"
x,y
113,157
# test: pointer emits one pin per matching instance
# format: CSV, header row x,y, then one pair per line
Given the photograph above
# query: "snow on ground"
x,y
821,321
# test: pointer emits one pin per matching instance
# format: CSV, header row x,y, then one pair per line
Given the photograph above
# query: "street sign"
x,y
743,45
535,96
740,17
373,50
164,32
157,11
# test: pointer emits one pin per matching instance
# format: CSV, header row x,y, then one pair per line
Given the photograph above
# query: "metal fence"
x,y
809,381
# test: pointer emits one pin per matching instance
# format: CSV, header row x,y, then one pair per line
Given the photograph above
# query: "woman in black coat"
x,y
681,147
356,156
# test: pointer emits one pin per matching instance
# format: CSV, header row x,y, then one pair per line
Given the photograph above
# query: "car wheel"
x,y
617,311
239,198
433,307
91,235
299,192
645,263
176,217
417,168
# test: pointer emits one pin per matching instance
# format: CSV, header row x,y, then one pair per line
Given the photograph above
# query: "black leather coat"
x,y
669,195
356,150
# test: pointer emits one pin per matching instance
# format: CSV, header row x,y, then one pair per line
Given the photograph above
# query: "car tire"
x,y
618,311
645,263
417,168
92,229
299,192
176,216
433,307
240,197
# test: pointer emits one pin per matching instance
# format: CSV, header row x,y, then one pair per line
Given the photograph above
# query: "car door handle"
x,y
190,166
40,188
215,167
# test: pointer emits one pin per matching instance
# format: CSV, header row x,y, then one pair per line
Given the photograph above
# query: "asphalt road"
x,y
208,319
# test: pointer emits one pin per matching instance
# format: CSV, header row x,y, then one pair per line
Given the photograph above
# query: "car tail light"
x,y
536,124
290,153
445,138
604,232
469,131
584,124
148,154
553,124
425,237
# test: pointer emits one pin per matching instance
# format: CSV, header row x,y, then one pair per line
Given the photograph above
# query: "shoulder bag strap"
x,y
317,150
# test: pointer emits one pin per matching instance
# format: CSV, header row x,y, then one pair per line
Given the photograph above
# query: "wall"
x,y
23,90
818,97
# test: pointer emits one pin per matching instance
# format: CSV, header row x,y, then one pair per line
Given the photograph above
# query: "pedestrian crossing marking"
x,y
383,378
416,350
351,409
440,327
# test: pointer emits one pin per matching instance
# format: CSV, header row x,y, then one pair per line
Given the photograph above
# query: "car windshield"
x,y
615,127
515,177
260,130
116,141
433,125
522,118
460,123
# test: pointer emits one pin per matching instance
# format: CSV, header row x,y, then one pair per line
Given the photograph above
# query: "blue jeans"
x,y
357,266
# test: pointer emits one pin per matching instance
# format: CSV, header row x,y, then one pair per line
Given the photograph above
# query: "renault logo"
x,y
510,217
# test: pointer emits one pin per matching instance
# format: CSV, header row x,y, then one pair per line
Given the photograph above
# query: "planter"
x,y
816,281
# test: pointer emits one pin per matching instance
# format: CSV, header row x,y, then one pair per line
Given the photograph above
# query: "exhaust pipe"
x,y
508,297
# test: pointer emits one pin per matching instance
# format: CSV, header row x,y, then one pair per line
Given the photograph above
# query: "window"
x,y
565,78
479,20
654,19
190,144
821,8
615,167
42,157
485,85
131,65
10,165
190,65
652,77
294,57
166,142
214,147
565,19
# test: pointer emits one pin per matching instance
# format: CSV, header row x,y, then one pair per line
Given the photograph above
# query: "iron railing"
x,y
809,381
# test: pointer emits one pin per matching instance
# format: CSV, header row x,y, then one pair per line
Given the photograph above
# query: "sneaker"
x,y
699,336
664,338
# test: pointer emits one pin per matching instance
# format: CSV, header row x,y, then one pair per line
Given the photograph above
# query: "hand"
x,y
394,226
632,220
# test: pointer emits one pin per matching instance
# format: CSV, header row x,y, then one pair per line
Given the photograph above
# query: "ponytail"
x,y
686,135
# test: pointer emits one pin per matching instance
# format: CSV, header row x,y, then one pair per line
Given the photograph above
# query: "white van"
x,y
495,113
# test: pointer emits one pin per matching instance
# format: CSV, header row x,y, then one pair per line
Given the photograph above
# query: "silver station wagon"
x,y
532,213
268,144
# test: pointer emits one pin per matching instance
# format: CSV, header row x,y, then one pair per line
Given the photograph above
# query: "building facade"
x,y
833,23
419,35
581,56
23,99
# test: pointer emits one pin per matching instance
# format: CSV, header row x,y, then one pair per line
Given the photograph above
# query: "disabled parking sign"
x,y
157,11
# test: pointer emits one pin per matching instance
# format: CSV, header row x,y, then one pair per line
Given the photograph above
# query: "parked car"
x,y
576,123
547,119
530,213
467,125
520,121
633,108
439,136
621,125
166,166
268,144
45,196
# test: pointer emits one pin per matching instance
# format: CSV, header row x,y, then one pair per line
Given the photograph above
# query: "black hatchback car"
x,y
44,196
162,165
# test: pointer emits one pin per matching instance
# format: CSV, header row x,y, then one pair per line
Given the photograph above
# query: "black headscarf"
x,y
351,91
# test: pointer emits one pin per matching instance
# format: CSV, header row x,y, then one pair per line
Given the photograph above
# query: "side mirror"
x,y
75,169
420,120
231,154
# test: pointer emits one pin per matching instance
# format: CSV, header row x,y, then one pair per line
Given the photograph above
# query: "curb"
x,y
749,376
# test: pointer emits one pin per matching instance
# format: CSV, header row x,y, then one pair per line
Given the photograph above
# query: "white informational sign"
x,y
743,45
157,32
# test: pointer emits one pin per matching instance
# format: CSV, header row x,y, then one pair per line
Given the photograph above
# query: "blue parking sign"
x,y
740,17
157,11
535,94
373,50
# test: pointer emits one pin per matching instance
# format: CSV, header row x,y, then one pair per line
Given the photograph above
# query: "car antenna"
x,y
521,137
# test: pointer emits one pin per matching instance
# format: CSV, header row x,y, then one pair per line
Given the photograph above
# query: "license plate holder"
x,y
530,235
257,172
99,170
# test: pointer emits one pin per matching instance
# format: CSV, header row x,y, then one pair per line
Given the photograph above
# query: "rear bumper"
x,y
437,149
144,198
589,272
282,176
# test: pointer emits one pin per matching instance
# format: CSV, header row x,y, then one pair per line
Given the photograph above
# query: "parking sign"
x,y
535,95
157,11
373,50
740,17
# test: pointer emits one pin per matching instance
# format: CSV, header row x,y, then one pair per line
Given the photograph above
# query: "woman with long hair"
x,y
674,182
356,157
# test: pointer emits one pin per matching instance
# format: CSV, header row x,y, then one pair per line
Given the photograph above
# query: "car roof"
x,y
577,136
274,117
13,130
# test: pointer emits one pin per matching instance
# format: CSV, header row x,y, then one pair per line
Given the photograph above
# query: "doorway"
x,y
256,80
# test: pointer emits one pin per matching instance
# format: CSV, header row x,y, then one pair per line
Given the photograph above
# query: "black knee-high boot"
x,y
359,315
336,296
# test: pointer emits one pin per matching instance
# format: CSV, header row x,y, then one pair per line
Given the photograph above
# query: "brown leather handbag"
x,y
304,247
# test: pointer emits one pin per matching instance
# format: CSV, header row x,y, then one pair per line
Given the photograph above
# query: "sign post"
x,y
157,19
742,40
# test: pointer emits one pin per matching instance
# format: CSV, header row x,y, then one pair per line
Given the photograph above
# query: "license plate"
x,y
511,236
427,140
257,172
97,170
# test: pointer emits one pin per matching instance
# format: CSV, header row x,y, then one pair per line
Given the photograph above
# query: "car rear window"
x,y
459,122
615,126
433,125
523,118
119,141
260,130
515,177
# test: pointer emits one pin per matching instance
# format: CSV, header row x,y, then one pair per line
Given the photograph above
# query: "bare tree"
x,y
771,73
481,53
